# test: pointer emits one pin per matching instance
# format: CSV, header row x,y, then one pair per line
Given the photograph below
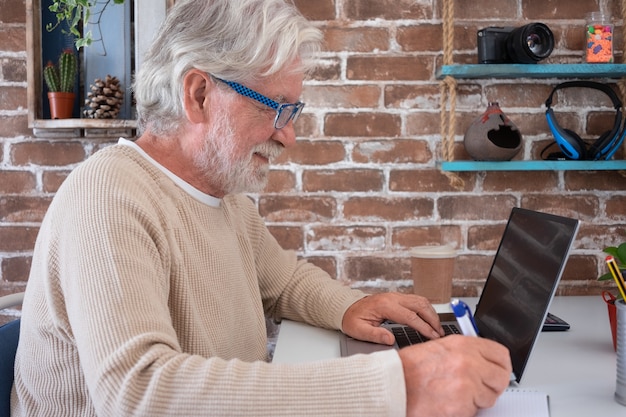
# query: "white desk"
x,y
575,368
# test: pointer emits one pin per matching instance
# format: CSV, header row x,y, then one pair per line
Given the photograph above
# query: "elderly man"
x,y
152,273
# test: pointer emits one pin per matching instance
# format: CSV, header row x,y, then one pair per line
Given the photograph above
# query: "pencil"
x,y
617,275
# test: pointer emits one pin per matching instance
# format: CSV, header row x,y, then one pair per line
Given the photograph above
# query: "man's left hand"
x,y
362,320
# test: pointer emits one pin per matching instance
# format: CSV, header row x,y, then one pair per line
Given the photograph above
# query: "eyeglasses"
x,y
284,111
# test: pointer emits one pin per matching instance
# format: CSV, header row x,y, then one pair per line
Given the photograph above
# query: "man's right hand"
x,y
454,376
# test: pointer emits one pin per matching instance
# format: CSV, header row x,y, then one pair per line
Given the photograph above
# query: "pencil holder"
x,y
620,386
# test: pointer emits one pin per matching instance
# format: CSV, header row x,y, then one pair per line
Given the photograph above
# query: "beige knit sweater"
x,y
147,297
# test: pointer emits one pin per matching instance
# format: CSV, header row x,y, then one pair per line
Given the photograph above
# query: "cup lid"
x,y
438,251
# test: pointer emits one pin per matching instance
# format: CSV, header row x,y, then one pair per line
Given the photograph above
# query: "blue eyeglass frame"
x,y
280,120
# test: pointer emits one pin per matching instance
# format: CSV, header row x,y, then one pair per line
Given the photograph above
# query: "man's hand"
x,y
362,319
454,376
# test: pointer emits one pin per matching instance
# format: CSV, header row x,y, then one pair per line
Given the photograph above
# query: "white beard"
x,y
222,171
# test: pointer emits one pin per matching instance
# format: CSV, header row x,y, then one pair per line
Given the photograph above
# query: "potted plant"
x,y
60,80
619,253
74,12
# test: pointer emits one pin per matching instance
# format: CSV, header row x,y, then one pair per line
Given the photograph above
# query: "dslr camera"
x,y
526,44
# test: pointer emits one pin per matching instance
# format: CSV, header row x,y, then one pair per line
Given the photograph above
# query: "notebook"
x,y
523,278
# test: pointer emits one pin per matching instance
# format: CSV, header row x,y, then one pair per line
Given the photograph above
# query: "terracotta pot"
x,y
609,299
61,105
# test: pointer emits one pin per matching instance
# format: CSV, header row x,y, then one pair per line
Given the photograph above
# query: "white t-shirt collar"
x,y
188,188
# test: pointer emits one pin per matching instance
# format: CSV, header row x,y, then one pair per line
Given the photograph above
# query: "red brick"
x,y
483,9
17,238
16,269
474,268
518,95
20,209
280,181
347,180
411,236
488,207
361,39
426,180
594,180
313,153
13,11
580,268
327,69
585,207
387,209
386,9
330,238
342,96
14,182
362,124
598,235
616,208
395,152
13,69
12,39
422,123
52,180
373,268
17,125
12,98
423,37
390,68
482,238
297,208
532,181
555,9
316,10
47,153
413,97
307,126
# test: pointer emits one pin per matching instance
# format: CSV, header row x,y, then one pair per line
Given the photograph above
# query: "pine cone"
x,y
105,99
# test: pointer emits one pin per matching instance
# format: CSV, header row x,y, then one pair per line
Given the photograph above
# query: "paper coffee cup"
x,y
432,268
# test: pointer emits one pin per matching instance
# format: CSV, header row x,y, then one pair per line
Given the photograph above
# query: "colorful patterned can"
x,y
599,38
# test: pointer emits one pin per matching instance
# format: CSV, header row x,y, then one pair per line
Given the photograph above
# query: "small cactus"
x,y
51,76
63,77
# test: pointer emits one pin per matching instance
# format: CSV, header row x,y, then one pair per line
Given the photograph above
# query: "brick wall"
x,y
362,187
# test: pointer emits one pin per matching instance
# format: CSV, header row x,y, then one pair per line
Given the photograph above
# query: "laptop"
x,y
514,302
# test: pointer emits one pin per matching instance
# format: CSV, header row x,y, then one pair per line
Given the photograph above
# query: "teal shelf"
x,y
460,166
533,71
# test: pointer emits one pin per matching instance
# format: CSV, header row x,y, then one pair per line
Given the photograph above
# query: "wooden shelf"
x,y
460,166
475,71
83,124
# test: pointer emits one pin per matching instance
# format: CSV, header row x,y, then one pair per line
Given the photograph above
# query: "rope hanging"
x,y
621,84
448,94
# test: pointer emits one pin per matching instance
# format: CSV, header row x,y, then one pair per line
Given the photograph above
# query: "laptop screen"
x,y
523,279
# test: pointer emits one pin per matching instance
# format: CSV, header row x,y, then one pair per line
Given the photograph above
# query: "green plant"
x,y
73,12
62,78
619,253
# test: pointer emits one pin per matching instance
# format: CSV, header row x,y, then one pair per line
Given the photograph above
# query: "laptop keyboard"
x,y
406,336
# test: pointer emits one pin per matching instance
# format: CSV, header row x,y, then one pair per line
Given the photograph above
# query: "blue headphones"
x,y
571,144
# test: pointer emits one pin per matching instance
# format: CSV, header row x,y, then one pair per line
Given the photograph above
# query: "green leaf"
x,y
620,254
606,277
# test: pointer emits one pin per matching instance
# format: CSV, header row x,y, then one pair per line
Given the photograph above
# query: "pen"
x,y
464,317
617,275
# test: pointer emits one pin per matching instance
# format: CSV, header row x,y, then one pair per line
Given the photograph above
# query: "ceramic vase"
x,y
492,136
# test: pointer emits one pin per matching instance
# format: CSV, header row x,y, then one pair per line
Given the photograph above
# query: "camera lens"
x,y
530,43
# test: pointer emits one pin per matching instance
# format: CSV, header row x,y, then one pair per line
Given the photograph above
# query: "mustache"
x,y
269,150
